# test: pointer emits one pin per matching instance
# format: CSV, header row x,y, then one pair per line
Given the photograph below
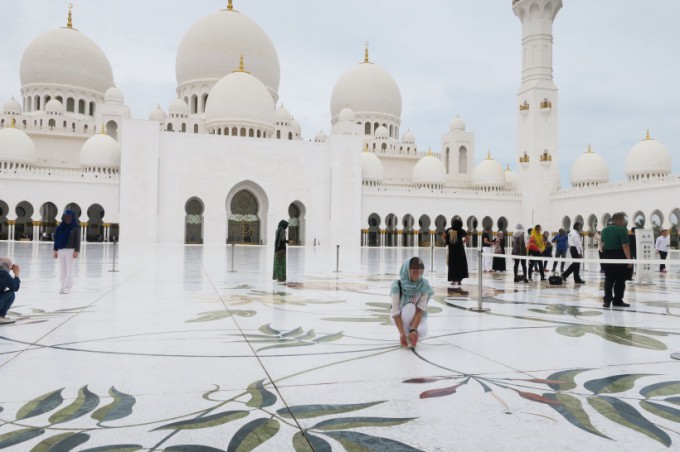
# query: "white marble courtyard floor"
x,y
175,353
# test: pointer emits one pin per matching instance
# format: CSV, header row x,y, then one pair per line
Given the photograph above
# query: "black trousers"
x,y
538,264
561,254
575,267
615,276
662,255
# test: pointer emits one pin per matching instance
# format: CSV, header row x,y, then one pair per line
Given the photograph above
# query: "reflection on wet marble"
x,y
175,352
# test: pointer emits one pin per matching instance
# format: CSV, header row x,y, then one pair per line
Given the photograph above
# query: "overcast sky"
x,y
616,62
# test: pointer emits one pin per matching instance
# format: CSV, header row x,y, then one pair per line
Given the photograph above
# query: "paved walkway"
x,y
174,353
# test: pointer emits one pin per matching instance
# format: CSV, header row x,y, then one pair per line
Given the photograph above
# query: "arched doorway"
x,y
23,229
407,231
374,230
391,223
112,129
605,219
472,224
95,225
244,223
296,223
75,208
48,215
424,231
566,223
656,218
4,224
193,221
440,229
674,219
592,223
639,220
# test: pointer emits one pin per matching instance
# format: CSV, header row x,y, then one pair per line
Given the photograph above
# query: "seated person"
x,y
8,285
410,294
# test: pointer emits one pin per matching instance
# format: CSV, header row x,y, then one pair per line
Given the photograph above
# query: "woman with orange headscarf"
x,y
536,247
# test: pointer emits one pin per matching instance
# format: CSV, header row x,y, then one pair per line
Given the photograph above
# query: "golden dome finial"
x,y
230,5
69,22
366,52
241,65
488,155
590,150
648,137
507,168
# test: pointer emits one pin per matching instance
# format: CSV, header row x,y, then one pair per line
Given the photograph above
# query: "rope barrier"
x,y
582,260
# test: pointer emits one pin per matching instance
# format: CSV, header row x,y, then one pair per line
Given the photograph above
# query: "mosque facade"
x,y
71,142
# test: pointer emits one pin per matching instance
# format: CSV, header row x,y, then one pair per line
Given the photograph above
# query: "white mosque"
x,y
223,164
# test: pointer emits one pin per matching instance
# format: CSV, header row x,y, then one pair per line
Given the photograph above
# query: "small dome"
x,y
347,114
114,95
212,46
648,157
457,124
282,115
17,147
510,177
297,130
589,168
240,98
429,170
369,89
11,107
158,115
178,107
408,137
382,133
320,137
54,106
489,173
371,167
65,57
100,151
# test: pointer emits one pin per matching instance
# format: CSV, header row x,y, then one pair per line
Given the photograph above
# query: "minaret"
x,y
537,112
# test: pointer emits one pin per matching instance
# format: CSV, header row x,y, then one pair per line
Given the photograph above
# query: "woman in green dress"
x,y
280,243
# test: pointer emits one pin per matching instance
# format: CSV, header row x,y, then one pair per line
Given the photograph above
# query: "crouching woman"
x,y
410,294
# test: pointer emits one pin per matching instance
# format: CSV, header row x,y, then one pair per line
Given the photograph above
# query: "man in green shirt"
x,y
615,245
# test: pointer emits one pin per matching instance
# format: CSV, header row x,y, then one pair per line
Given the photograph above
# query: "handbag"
x,y
555,279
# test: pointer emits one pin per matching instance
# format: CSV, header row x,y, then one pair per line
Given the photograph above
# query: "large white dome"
x,y
65,57
589,168
17,147
367,89
429,170
100,151
212,46
371,167
648,157
489,173
240,99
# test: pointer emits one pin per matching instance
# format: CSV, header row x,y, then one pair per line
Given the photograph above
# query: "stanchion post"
x,y
432,256
337,259
113,269
233,248
480,272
